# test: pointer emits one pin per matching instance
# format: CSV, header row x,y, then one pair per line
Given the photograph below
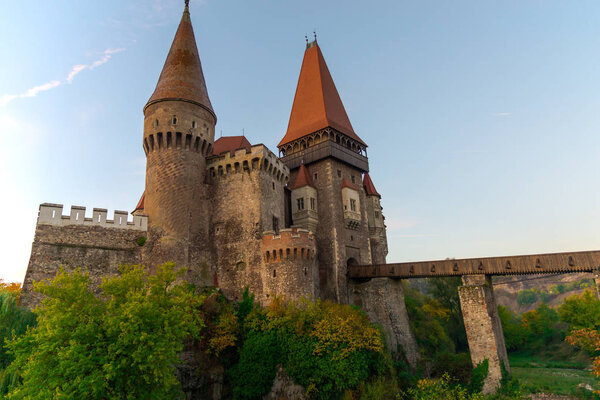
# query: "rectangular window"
x,y
276,225
315,176
353,179
312,203
300,204
339,173
352,204
376,214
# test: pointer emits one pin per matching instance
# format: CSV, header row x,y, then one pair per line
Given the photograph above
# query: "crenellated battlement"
x,y
289,244
259,158
51,214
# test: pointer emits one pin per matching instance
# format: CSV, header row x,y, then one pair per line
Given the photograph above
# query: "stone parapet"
x,y
290,264
259,158
51,214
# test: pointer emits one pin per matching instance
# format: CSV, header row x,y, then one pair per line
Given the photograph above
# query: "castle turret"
x,y
304,201
377,234
321,144
179,124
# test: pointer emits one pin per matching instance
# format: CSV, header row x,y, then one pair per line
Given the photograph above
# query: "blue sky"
x,y
481,116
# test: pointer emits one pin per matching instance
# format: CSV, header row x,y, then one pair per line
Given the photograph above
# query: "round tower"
x,y
179,124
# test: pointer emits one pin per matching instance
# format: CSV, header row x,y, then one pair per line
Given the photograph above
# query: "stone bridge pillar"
x,y
483,326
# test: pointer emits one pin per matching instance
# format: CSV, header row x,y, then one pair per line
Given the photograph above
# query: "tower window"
x,y
174,120
315,176
193,124
300,202
155,123
376,214
339,173
276,225
273,185
353,179
352,205
312,203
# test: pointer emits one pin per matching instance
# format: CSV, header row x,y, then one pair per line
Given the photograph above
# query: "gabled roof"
x,y
182,77
317,103
140,205
231,144
302,179
347,184
369,187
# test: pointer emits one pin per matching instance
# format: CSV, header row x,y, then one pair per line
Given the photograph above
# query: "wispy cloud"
x,y
502,114
76,69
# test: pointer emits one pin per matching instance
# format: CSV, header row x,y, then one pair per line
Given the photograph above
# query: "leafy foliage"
x,y
326,347
480,372
581,311
123,344
445,388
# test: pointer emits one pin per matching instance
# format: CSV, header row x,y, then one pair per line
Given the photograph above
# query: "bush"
x,y
443,389
123,344
480,372
526,297
327,348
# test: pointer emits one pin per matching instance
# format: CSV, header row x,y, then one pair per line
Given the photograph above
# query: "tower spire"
x,y
317,103
182,77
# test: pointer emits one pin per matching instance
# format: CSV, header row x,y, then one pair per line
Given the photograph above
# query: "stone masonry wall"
x,y
290,264
246,193
483,327
383,301
336,243
94,249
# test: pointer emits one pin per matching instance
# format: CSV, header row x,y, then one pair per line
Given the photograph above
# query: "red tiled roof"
x,y
369,187
302,179
181,77
317,103
140,205
348,184
231,144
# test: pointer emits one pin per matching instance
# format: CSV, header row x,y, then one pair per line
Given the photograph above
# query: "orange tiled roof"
x,y
317,103
140,205
181,77
369,187
302,179
231,144
347,184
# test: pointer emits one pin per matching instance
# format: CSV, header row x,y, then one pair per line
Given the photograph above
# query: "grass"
x,y
541,375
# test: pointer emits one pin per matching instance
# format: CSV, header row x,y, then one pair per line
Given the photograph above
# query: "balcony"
x,y
323,150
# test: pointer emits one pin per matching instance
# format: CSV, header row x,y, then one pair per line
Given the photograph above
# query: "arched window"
x,y
193,124
174,120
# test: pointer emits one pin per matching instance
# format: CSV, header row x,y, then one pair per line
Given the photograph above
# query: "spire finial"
x,y
187,3
315,33
306,38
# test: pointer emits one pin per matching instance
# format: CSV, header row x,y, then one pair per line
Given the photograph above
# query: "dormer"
x,y
304,201
351,203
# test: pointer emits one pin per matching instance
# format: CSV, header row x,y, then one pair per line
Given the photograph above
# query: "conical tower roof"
x,y
317,103
302,179
369,187
181,77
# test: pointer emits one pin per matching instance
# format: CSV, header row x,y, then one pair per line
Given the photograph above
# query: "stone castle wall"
x,y
247,193
95,245
291,267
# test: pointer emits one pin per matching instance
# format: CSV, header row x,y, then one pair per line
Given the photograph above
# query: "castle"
x,y
238,215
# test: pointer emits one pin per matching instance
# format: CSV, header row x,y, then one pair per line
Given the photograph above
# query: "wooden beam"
x,y
582,261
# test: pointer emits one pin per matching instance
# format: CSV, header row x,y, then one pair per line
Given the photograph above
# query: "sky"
x,y
481,117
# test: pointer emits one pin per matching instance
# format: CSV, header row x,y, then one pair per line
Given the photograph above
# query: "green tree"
x,y
445,290
515,335
528,296
581,311
541,325
120,344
